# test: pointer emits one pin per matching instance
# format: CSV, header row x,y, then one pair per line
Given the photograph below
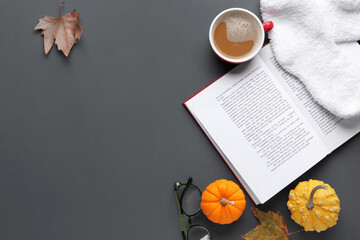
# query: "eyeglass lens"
x,y
191,200
198,233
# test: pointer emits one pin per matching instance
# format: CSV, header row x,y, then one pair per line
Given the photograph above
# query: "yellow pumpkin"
x,y
223,202
314,205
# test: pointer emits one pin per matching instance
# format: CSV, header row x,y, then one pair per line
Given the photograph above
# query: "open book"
x,y
266,126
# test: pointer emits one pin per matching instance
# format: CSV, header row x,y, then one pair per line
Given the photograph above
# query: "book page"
x,y
333,131
258,129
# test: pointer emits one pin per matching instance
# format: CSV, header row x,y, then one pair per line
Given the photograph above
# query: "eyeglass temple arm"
x,y
181,218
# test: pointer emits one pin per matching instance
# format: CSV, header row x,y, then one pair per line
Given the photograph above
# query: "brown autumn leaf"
x,y
272,227
65,30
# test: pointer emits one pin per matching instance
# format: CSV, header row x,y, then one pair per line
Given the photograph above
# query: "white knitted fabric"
x,y
304,41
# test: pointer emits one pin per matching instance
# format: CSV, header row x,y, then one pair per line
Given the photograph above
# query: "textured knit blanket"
x,y
304,41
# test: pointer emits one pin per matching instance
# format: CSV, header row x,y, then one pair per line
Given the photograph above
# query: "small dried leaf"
x,y
272,227
65,30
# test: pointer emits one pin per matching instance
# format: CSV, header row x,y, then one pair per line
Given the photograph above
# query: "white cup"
x,y
264,27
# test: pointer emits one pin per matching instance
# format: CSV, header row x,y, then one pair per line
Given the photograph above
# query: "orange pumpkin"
x,y
223,202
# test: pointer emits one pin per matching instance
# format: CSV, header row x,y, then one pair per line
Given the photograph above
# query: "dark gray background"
x,y
91,145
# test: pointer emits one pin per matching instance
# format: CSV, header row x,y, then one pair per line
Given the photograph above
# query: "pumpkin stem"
x,y
224,201
310,204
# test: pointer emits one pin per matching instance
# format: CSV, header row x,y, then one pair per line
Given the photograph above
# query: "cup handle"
x,y
268,26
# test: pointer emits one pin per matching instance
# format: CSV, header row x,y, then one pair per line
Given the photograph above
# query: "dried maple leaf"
x,y
65,30
272,226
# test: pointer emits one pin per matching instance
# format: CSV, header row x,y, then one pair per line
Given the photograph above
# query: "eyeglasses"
x,y
188,198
